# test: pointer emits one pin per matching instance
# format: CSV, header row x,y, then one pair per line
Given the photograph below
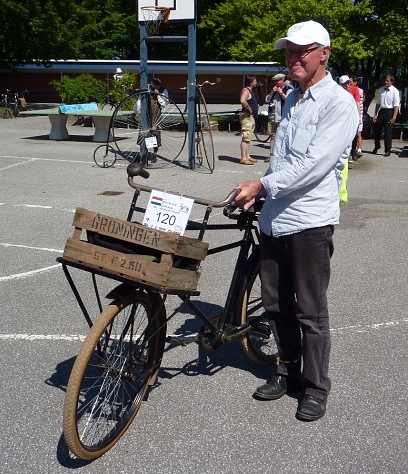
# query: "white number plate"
x,y
167,212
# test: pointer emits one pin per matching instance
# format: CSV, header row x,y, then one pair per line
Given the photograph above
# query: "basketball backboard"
x,y
180,10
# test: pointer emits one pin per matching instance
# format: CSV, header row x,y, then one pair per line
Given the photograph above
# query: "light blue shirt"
x,y
311,147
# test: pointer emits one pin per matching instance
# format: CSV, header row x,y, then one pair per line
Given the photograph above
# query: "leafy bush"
x,y
121,88
80,89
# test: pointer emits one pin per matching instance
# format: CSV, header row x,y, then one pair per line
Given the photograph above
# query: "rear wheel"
x,y
120,356
149,128
261,128
204,139
259,343
104,156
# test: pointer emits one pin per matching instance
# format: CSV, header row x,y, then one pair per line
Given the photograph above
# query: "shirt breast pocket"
x,y
301,138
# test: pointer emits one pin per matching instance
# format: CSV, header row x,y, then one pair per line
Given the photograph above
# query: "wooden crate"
x,y
158,272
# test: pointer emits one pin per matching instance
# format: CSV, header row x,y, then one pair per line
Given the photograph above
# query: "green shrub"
x,y
121,88
80,89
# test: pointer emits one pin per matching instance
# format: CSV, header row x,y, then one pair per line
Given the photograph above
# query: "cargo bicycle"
x,y
122,352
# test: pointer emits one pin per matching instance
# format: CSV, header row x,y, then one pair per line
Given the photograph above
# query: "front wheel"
x,y
119,358
258,343
261,128
148,128
204,140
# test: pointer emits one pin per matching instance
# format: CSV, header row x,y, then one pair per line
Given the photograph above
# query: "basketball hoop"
x,y
153,18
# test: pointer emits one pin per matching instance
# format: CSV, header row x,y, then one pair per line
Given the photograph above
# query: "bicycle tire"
x,y
111,374
7,114
261,128
104,156
204,140
138,118
260,345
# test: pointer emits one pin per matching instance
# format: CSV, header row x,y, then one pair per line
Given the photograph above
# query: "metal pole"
x,y
192,27
143,57
143,73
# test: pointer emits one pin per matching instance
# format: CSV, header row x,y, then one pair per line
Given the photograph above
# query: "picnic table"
x,y
58,117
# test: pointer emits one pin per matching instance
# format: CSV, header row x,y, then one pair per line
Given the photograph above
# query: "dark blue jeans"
x,y
295,275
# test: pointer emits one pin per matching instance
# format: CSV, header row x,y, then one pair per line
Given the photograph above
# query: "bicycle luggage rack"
x,y
165,261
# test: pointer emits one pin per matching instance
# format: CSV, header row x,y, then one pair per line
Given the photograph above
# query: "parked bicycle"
x,y
122,353
150,128
13,103
145,127
204,144
7,111
261,128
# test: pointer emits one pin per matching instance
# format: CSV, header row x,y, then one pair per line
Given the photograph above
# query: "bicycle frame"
x,y
248,243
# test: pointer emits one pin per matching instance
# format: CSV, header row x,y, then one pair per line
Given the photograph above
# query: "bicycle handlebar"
x,y
199,86
136,169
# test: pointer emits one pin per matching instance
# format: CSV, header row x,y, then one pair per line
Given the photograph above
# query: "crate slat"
x,y
166,242
132,266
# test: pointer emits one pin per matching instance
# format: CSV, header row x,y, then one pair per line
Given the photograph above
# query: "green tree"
x,y
120,88
65,29
368,36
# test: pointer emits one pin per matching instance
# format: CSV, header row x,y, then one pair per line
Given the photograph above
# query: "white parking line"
x,y
41,337
29,158
4,244
78,337
32,205
19,276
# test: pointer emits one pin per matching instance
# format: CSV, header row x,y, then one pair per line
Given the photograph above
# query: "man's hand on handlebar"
x,y
248,193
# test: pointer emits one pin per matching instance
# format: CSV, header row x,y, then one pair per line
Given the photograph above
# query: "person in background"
x,y
247,118
118,75
158,88
386,111
158,102
345,83
276,99
288,82
358,140
302,195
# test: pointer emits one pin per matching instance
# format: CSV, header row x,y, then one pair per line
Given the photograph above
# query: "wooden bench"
x,y
58,117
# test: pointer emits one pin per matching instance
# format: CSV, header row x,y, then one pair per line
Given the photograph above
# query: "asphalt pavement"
x,y
202,417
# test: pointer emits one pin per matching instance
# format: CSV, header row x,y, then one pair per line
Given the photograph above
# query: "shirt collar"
x,y
318,89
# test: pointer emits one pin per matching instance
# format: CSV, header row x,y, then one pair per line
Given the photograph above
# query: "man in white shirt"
x,y
312,143
386,111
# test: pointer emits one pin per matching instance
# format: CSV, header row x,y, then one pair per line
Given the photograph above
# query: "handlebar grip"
x,y
229,209
136,169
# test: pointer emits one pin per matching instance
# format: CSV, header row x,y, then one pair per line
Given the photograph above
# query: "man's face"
x,y
388,82
346,85
303,61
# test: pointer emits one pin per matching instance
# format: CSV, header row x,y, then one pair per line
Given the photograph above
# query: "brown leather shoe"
x,y
252,159
246,162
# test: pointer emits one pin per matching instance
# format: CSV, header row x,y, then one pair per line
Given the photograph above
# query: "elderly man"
x,y
301,189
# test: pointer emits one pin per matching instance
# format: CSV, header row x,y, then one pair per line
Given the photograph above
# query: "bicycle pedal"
x,y
181,339
261,329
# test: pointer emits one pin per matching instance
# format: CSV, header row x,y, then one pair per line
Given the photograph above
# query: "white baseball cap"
x,y
344,79
304,33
